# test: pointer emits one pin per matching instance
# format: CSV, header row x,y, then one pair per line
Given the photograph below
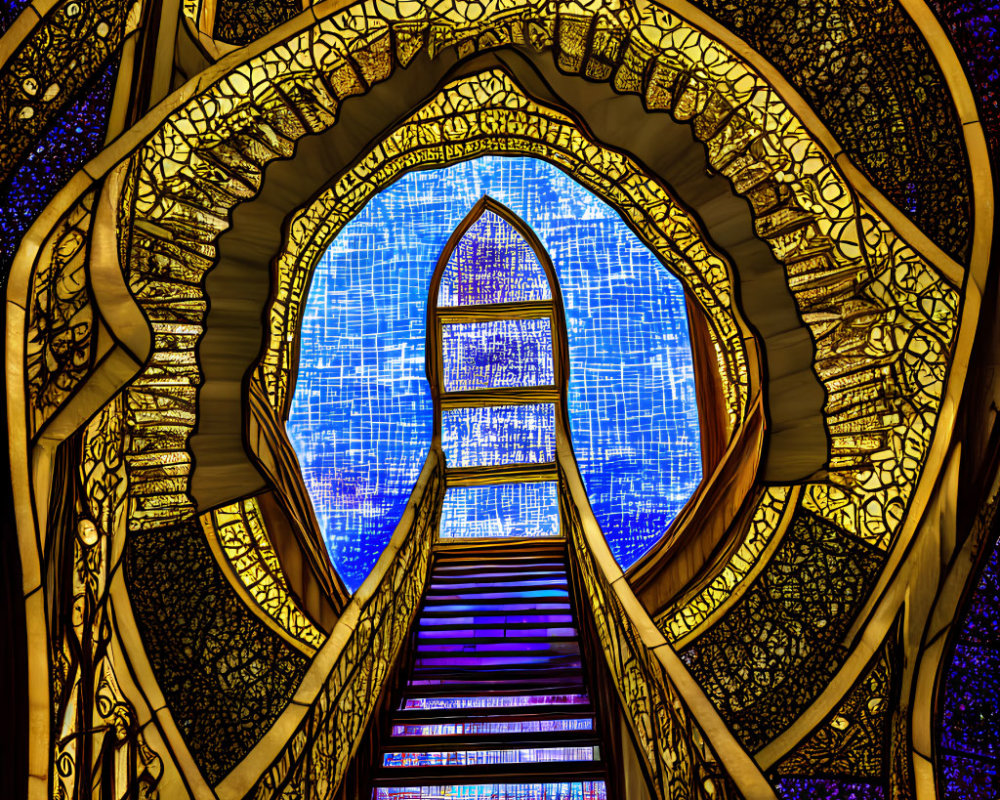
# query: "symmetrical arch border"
x,y
95,170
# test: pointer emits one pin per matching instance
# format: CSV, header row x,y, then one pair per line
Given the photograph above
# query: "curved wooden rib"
x,y
705,527
293,527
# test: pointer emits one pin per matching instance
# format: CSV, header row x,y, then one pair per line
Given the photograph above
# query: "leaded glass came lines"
x,y
361,418
501,510
492,263
496,354
632,405
486,435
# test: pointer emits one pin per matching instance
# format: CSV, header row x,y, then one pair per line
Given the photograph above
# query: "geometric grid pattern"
x,y
492,263
497,354
483,436
500,510
361,416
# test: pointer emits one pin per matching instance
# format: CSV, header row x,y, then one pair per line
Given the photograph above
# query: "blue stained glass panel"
x,y
584,790
497,354
492,263
361,420
9,11
970,707
632,408
502,509
481,436
75,137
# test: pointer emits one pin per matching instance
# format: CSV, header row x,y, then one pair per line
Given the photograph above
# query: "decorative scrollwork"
x,y
681,619
243,535
60,318
679,761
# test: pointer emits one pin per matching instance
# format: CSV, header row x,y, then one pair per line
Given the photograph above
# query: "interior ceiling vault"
x,y
241,280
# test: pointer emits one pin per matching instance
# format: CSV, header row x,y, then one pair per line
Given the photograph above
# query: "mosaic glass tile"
x,y
584,790
502,509
970,706
522,726
486,435
72,140
497,354
361,416
801,788
492,263
463,758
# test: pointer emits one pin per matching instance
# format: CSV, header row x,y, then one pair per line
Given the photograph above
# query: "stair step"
x,y
539,771
491,701
577,790
499,578
430,648
444,643
432,662
462,715
404,760
518,631
498,672
478,741
508,686
495,704
495,593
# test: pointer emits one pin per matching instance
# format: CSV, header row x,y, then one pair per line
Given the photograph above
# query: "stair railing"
x,y
678,734
308,750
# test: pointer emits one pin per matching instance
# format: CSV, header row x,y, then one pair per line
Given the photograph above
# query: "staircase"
x,y
496,705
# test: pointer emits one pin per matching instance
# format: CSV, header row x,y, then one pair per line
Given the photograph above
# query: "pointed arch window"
x,y
498,371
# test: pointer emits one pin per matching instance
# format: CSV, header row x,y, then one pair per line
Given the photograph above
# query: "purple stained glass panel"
x,y
465,758
459,608
438,586
497,354
486,633
494,701
466,661
492,264
520,726
808,788
499,619
526,594
584,790
488,435
970,716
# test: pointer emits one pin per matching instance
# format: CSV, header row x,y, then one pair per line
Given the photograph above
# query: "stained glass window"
x,y
492,263
970,698
484,435
501,510
361,418
497,354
